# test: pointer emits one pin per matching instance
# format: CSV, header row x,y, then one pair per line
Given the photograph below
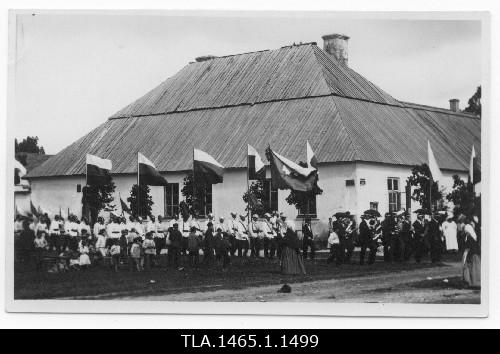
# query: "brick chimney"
x,y
455,105
336,46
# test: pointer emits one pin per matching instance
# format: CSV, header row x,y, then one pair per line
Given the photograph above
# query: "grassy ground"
x,y
100,280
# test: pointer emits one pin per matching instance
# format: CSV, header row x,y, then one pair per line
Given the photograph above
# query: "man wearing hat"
x,y
221,225
435,239
174,250
404,238
366,241
388,237
269,241
418,240
241,235
256,236
307,239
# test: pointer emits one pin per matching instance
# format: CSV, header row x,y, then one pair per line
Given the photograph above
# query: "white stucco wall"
x,y
375,189
61,192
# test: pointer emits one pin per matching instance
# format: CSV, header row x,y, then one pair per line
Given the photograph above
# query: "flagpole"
x,y
138,187
248,190
194,187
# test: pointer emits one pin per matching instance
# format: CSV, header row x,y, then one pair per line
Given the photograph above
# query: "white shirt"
x,y
267,229
114,230
241,228
232,226
101,242
71,228
221,226
54,227
256,229
98,227
469,231
18,226
84,226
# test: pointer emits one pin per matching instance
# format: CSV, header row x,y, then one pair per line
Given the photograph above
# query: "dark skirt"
x,y
291,262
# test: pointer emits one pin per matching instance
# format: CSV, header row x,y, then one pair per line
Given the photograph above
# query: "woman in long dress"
x,y
472,256
291,258
450,235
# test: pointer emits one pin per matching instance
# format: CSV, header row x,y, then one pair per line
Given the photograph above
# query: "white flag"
x,y
433,166
471,165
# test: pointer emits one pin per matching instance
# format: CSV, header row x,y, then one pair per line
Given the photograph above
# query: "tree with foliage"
x,y
255,198
29,144
420,179
195,203
463,197
474,106
140,205
96,197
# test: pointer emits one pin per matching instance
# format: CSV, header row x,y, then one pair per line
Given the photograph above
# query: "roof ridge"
x,y
437,109
354,147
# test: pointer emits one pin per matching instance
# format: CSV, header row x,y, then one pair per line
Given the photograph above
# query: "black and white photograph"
x,y
173,162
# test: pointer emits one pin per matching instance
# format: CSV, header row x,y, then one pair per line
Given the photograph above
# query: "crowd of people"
x,y
141,243
429,235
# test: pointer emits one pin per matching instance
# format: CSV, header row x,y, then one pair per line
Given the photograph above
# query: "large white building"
x,y
365,140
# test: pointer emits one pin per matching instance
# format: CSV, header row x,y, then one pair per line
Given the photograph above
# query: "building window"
x,y
394,194
362,181
205,196
78,188
349,182
308,209
171,200
271,201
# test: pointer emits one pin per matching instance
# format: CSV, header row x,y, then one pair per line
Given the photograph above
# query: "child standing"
x,y
135,254
40,246
149,247
84,255
115,254
193,247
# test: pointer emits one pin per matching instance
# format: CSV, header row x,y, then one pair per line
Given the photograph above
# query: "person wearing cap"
x,y
388,236
418,239
241,235
256,236
434,238
281,231
84,225
221,225
113,230
269,241
208,244
185,228
291,257
54,233
405,237
174,249
98,226
366,241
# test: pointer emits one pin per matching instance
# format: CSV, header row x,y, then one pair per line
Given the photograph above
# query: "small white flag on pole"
x,y
433,166
471,165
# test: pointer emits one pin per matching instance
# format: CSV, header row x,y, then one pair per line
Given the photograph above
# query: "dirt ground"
x,y
426,285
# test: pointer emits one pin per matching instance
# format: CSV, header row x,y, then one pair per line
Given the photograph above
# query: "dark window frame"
x,y
394,194
171,200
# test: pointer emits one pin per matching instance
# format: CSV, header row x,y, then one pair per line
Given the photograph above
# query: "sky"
x,y
71,72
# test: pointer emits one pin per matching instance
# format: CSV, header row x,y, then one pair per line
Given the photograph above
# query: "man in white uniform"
x,y
450,235
232,229
256,236
241,235
269,237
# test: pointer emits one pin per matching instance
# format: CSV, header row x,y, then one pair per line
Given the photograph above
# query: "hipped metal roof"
x,y
281,97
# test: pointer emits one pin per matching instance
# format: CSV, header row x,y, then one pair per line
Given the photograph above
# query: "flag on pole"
x,y
34,211
312,161
286,174
98,170
125,208
433,166
256,168
471,164
206,168
148,175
